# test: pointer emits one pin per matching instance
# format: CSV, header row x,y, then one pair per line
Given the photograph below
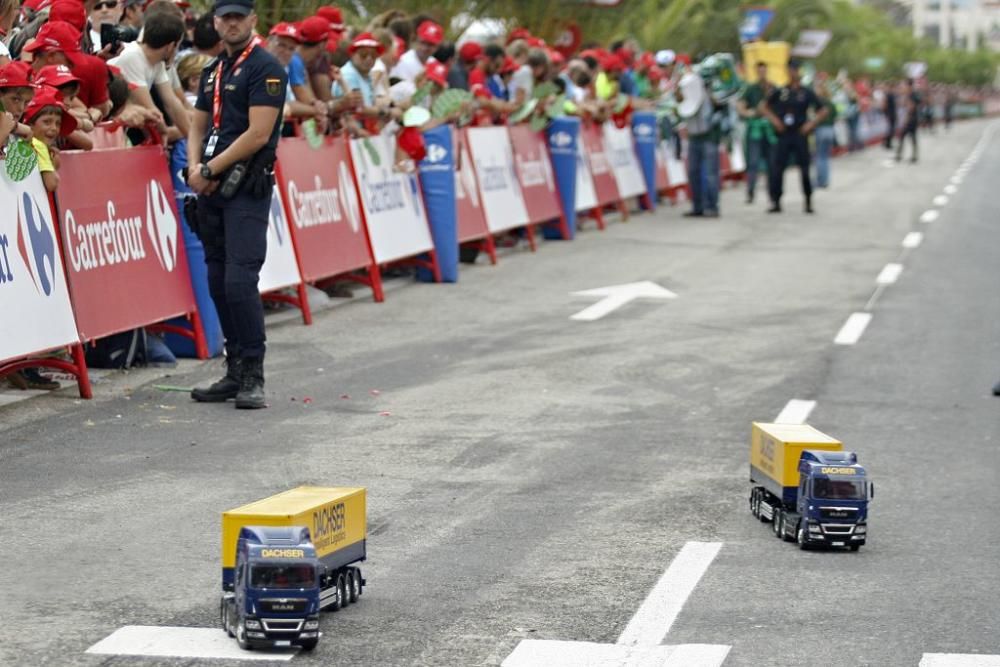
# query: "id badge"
x,y
210,146
789,120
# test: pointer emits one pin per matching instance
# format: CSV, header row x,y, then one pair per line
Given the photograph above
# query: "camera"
x,y
113,34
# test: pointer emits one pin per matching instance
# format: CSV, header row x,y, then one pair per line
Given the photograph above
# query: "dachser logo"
x,y
36,244
329,524
161,225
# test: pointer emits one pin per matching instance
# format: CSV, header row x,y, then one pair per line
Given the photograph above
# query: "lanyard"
x,y
217,97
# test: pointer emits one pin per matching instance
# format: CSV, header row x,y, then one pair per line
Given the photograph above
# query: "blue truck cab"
x,y
274,597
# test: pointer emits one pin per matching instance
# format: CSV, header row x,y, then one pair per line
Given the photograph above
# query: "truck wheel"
x,y
800,537
224,617
309,644
754,505
241,636
353,584
776,525
338,598
342,585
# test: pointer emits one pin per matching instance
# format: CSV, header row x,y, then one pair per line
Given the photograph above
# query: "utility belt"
x,y
253,177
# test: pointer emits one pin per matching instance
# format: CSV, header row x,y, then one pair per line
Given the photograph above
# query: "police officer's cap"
x,y
223,7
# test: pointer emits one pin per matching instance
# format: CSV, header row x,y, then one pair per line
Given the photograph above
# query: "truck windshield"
x,y
839,489
287,575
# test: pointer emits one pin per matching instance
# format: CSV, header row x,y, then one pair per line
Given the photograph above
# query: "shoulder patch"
x,y
273,87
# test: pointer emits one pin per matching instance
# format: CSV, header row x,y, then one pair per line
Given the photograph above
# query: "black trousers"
x,y
909,130
234,233
790,142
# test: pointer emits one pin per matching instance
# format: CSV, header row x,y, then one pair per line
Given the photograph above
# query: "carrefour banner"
x,y
280,268
499,187
33,291
564,137
391,201
123,243
624,164
646,134
437,179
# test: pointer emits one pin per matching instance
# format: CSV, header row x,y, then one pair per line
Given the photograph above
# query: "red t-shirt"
x,y
93,75
477,83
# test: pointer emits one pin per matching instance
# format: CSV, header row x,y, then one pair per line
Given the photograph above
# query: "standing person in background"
x,y
103,12
703,150
231,152
852,114
760,134
825,136
890,111
911,118
132,13
788,110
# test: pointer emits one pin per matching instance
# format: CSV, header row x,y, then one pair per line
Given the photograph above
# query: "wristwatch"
x,y
206,172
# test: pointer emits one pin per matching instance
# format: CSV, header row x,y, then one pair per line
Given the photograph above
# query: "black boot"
x,y
809,205
223,389
251,394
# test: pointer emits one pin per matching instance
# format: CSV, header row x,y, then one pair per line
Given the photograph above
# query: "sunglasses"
x,y
106,5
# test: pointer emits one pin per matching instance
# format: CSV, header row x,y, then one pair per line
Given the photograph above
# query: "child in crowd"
x,y
49,119
62,79
16,92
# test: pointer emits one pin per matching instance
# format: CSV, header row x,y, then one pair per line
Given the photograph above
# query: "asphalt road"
x,y
530,476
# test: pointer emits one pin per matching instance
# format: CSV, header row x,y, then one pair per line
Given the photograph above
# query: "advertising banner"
x,y
437,180
391,201
535,174
605,185
499,188
471,219
33,289
280,268
563,136
624,164
123,243
646,133
586,195
322,207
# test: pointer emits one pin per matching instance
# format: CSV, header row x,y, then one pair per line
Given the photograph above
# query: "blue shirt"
x,y
355,81
626,83
297,71
497,88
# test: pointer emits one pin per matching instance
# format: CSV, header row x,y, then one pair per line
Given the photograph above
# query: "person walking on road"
x,y
760,134
788,110
890,115
231,152
825,136
911,119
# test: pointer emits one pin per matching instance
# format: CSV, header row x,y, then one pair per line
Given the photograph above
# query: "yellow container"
x,y
335,516
773,54
775,450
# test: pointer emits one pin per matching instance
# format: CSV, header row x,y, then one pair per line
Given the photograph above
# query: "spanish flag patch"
x,y
273,87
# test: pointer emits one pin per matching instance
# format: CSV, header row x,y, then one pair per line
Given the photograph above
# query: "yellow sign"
x,y
838,471
283,553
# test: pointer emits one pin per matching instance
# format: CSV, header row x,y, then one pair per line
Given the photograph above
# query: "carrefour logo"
x,y
36,244
161,226
561,139
436,153
643,130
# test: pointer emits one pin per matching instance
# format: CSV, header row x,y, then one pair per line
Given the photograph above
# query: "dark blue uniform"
x,y
791,106
236,238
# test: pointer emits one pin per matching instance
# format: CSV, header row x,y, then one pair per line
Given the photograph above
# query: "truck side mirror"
x,y
871,493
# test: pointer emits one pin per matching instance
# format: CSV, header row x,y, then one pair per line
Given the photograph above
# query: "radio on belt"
x,y
812,491
285,558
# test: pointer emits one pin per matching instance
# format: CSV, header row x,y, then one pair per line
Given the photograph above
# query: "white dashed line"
x,y
959,660
941,200
889,274
855,325
796,411
929,216
913,240
956,180
950,189
163,642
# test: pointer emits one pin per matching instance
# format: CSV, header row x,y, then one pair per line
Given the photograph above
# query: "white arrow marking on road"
x,y
941,200
616,296
959,660
639,643
950,189
163,642
913,240
851,332
889,274
929,216
796,411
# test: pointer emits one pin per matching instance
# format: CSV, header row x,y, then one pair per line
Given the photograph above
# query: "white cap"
x,y
665,57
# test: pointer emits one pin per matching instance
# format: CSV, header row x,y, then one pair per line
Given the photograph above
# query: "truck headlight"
x,y
253,625
861,529
814,528
311,625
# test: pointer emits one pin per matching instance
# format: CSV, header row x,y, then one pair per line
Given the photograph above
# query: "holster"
x,y
259,180
205,224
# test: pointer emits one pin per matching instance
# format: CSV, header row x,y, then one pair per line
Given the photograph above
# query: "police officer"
x,y
788,110
231,149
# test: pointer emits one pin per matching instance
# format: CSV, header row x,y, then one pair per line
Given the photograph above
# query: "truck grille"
x,y
838,513
281,625
284,605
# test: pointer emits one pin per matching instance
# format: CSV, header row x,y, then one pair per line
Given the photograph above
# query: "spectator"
x,y
132,13
206,40
759,133
16,92
825,136
103,12
703,150
385,62
314,33
58,43
412,63
445,54
499,83
519,87
9,10
356,80
469,56
282,42
189,70
911,118
49,120
62,79
335,20
143,65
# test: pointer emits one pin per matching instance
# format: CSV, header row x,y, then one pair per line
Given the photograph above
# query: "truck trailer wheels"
x,y
353,584
224,618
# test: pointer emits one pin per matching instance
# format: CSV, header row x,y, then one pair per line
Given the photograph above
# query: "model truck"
x,y
287,557
810,489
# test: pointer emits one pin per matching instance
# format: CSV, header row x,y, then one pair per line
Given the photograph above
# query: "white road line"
x,y
950,189
941,200
553,653
959,660
890,274
913,240
956,179
658,612
796,411
175,642
855,325
929,216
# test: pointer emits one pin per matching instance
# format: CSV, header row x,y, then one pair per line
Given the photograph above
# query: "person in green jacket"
x,y
760,135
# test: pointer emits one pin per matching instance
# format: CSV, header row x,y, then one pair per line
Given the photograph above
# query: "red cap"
x,y
470,52
590,53
430,32
683,58
535,42
647,60
36,5
518,33
15,74
333,16
436,72
411,141
655,73
70,11
284,29
47,96
613,64
509,65
400,45
55,36
625,54
313,29
366,41
556,58
333,41
55,76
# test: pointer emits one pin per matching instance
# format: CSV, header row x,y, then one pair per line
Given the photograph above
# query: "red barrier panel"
x,y
322,205
124,252
469,207
538,182
605,185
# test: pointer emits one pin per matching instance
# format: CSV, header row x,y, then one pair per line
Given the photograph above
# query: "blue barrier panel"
x,y
437,179
645,132
562,135
184,347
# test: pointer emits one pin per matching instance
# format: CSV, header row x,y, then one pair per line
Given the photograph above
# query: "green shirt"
x,y
757,128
